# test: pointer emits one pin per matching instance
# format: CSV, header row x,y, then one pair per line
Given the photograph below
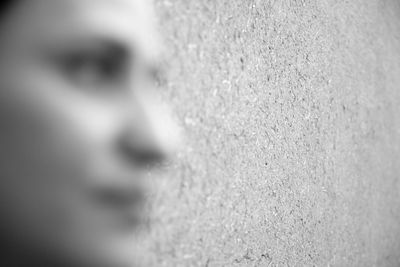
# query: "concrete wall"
x,y
291,111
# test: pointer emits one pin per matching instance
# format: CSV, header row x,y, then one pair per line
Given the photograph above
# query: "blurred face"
x,y
80,127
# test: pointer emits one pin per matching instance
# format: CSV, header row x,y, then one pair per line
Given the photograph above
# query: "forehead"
x,y
131,22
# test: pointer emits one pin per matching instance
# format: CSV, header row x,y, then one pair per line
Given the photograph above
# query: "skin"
x,y
81,128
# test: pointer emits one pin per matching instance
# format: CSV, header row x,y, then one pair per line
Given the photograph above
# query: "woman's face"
x,y
79,126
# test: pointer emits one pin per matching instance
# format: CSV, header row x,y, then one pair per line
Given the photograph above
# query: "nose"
x,y
151,136
141,150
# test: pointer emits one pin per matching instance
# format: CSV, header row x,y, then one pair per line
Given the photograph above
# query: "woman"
x,y
78,130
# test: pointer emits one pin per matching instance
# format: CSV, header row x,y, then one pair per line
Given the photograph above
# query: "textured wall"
x,y
291,112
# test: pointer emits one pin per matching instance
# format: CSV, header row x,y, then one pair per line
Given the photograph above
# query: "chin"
x,y
101,250
125,251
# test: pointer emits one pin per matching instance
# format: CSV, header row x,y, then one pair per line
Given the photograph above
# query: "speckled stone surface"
x,y
291,116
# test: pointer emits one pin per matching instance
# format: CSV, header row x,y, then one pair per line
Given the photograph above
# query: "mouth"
x,y
121,204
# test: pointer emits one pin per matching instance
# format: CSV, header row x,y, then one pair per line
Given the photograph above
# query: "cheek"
x,y
49,139
37,140
50,123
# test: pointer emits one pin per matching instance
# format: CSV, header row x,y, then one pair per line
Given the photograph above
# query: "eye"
x,y
93,70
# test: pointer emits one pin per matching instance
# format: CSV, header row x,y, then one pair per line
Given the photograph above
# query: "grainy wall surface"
x,y
291,116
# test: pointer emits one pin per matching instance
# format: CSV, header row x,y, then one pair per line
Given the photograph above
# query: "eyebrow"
x,y
114,47
94,46
99,45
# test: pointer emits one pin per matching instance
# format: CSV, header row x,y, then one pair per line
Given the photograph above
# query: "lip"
x,y
121,204
120,197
